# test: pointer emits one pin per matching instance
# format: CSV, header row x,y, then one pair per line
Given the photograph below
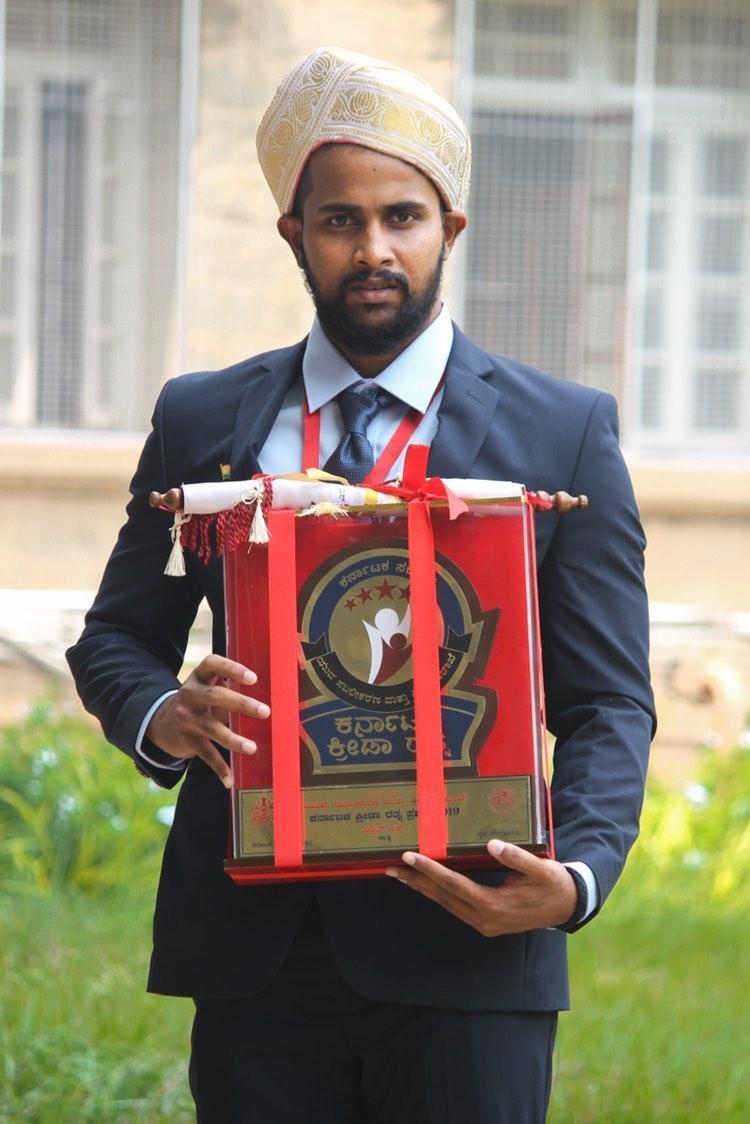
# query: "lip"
x,y
374,293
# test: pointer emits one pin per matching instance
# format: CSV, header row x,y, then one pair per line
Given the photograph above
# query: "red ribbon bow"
x,y
416,485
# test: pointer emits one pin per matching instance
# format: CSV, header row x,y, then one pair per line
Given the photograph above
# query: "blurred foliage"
x,y
694,844
72,810
80,1041
659,981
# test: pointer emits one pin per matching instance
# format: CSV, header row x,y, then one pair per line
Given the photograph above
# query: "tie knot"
x,y
359,404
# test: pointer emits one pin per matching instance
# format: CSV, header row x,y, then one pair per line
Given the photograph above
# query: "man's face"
x,y
371,238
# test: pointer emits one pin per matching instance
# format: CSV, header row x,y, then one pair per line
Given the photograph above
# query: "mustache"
x,y
359,276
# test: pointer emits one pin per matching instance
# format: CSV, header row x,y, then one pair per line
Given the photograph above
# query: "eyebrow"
x,y
352,208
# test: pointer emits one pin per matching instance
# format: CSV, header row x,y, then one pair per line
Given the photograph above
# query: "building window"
x,y
547,243
89,218
610,213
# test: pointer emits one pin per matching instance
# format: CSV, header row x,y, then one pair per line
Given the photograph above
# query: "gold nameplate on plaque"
x,y
351,819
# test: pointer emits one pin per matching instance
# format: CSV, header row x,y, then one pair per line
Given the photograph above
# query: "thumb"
x,y
515,858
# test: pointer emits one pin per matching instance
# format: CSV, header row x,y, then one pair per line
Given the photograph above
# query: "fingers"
x,y
219,667
218,697
198,713
442,877
537,892
220,733
210,754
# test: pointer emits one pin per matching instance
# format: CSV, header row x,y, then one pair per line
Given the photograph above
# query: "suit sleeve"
x,y
135,634
594,621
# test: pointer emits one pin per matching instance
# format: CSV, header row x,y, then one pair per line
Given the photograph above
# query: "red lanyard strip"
x,y
393,450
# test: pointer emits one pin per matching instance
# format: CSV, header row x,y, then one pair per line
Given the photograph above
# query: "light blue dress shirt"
x,y
411,379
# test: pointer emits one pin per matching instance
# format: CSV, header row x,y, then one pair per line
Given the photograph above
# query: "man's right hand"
x,y
187,723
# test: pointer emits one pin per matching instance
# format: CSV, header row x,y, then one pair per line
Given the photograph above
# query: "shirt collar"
x,y
412,377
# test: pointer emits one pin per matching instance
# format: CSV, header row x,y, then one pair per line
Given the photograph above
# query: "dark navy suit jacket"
x,y
498,420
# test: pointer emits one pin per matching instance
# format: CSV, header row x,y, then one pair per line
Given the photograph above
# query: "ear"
x,y
453,223
290,229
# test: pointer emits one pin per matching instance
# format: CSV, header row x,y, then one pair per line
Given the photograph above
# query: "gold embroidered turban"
x,y
336,95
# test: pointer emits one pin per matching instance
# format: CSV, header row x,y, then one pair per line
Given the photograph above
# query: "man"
x,y
363,1000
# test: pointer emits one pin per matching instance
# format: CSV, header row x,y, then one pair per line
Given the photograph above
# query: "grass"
x,y
658,1032
79,1038
660,1021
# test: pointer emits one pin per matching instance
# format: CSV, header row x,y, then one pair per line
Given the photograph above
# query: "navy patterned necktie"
x,y
353,457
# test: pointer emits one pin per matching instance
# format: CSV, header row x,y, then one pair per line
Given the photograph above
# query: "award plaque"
x,y
394,632
336,663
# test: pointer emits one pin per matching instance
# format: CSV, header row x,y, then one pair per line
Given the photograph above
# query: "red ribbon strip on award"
x,y
285,758
418,492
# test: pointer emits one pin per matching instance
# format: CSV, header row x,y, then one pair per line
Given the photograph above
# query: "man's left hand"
x,y
538,893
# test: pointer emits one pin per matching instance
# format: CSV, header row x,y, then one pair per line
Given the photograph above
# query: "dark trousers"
x,y
308,1050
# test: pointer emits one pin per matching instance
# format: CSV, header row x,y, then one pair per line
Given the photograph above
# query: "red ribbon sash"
x,y
288,836
428,722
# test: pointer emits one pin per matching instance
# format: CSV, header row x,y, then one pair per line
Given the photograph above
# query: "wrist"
x,y
581,906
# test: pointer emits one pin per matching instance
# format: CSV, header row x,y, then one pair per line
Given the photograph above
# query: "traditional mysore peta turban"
x,y
339,96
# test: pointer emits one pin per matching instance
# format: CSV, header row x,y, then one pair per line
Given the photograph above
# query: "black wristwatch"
x,y
582,904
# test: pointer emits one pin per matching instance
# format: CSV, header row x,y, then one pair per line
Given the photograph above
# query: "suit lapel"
x,y
465,414
259,408
466,411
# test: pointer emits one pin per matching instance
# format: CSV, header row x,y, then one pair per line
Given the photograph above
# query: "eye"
x,y
339,221
403,217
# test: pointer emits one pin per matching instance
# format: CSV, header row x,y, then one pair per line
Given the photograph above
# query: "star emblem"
x,y
365,594
385,589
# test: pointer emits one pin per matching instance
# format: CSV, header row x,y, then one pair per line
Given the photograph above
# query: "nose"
x,y
373,249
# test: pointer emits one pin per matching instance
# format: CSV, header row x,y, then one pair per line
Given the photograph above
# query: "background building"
x,y
609,242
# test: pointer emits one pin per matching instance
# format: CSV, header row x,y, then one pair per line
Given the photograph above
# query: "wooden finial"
x,y
167,501
562,502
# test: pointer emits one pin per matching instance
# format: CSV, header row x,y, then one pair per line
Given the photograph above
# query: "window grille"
x,y
548,240
716,401
651,397
89,213
705,45
526,40
722,239
610,222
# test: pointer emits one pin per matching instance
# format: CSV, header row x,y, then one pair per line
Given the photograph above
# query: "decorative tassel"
x,y
261,495
325,507
258,527
175,567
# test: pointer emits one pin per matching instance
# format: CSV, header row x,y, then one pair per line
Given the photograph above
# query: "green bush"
x,y
694,846
660,1016
72,810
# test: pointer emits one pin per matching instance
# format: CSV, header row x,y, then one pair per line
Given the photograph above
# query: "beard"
x,y
351,331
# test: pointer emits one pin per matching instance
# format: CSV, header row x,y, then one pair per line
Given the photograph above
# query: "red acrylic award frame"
x,y
399,652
